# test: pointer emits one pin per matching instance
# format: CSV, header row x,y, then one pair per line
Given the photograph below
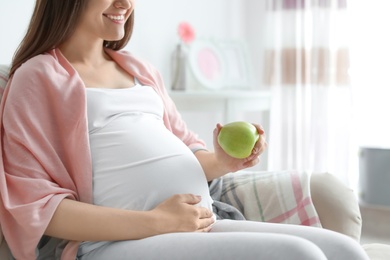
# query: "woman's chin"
x,y
115,38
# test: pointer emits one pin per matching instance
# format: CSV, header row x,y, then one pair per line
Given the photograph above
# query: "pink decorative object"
x,y
186,32
209,64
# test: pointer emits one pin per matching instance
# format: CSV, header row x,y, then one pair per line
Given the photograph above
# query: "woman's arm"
x,y
77,221
218,163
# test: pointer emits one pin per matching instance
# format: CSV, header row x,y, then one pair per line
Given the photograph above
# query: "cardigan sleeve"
x,y
44,157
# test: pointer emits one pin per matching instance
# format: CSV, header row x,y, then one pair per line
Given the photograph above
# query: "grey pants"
x,y
231,239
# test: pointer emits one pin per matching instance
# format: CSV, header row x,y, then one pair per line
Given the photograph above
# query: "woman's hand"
x,y
230,164
179,213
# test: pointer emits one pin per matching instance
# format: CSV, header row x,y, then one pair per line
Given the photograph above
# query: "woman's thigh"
x,y
334,245
210,246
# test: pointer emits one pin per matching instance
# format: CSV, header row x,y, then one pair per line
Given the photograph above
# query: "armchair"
x,y
283,197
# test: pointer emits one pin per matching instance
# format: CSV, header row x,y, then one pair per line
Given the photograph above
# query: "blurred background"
x,y
314,73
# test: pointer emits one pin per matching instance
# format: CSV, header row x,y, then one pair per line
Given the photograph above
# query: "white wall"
x,y
14,18
255,31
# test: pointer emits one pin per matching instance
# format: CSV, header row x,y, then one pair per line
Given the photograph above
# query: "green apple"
x,y
237,139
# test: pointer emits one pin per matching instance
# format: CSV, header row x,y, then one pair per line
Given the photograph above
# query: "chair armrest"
x,y
336,204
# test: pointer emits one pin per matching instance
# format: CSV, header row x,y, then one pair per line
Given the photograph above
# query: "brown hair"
x,y
52,23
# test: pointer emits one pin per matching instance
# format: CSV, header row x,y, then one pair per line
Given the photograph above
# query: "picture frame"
x,y
219,64
207,64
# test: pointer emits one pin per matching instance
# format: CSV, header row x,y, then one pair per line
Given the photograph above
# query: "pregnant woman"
x,y
97,163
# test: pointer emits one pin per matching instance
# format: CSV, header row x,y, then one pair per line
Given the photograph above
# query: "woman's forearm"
x,y
211,167
74,220
215,166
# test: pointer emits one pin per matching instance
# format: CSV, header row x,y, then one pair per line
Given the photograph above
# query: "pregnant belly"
x,y
138,163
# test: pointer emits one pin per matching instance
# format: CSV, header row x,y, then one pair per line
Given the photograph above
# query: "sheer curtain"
x,y
370,76
306,67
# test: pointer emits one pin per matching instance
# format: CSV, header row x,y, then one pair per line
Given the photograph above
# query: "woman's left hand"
x,y
231,164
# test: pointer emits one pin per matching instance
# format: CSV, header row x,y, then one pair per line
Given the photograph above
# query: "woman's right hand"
x,y
179,213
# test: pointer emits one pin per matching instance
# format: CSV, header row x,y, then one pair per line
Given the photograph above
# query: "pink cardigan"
x,y
45,150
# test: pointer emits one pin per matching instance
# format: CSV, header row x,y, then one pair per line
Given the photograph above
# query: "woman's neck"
x,y
84,53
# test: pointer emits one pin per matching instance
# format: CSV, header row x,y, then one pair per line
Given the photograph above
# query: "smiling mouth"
x,y
115,18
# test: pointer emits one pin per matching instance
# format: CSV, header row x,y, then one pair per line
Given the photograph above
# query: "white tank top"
x,y
137,161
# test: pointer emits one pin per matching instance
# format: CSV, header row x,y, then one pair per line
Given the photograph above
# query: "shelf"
x,y
229,102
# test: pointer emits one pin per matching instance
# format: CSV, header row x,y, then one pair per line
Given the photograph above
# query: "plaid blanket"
x,y
277,197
